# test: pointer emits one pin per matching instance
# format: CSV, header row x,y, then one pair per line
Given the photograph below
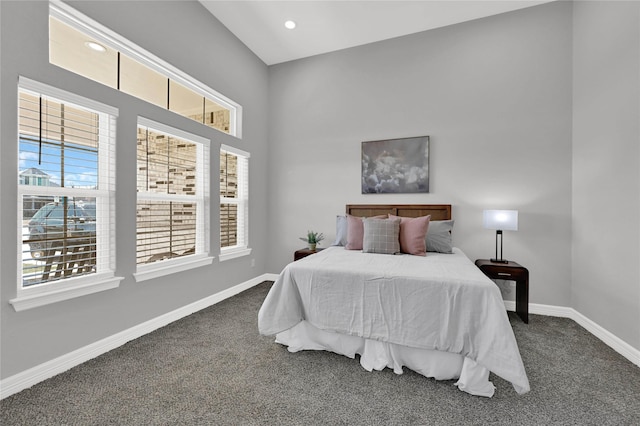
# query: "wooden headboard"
x,y
437,211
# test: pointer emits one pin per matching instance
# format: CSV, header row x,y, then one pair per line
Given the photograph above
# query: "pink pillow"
x,y
412,234
355,231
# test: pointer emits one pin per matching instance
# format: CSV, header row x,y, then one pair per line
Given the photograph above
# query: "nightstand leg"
x,y
522,300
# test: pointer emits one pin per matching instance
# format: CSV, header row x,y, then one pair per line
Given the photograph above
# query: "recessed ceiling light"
x,y
95,46
290,25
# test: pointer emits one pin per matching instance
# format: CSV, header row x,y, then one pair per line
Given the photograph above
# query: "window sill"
x,y
167,267
234,253
29,299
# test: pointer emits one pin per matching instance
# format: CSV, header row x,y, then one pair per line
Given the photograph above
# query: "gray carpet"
x,y
212,368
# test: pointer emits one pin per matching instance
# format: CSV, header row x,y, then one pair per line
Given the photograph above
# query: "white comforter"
x,y
438,302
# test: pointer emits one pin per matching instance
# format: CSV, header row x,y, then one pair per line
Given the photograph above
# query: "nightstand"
x,y
510,271
299,254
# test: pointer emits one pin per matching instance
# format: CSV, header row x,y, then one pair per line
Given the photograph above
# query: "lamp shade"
x,y
503,220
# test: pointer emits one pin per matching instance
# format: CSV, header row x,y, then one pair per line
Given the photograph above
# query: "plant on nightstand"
x,y
312,239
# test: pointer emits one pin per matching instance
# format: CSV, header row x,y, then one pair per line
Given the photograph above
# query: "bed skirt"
x,y
376,355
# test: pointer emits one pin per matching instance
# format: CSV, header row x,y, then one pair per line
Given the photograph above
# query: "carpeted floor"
x,y
212,368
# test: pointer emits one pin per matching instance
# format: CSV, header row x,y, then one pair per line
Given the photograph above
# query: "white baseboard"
x,y
610,339
270,277
37,374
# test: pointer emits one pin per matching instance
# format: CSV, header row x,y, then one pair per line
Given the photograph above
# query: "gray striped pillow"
x,y
381,236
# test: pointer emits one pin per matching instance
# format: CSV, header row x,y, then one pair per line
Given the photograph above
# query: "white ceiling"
x,y
326,26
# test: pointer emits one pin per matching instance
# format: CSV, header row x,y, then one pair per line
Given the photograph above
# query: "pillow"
x,y
439,236
381,236
413,231
355,231
341,231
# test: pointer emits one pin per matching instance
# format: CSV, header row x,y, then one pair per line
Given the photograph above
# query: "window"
x,y
172,224
66,187
82,46
234,198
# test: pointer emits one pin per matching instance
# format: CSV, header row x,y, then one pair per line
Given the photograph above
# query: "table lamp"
x,y
500,220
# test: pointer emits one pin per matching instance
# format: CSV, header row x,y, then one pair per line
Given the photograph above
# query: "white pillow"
x,y
341,231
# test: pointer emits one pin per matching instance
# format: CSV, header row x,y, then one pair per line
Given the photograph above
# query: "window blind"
x,y
234,190
66,183
171,208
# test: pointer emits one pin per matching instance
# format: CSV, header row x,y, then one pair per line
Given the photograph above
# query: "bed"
x,y
437,314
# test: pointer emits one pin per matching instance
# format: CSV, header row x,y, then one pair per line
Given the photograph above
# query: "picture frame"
x,y
395,166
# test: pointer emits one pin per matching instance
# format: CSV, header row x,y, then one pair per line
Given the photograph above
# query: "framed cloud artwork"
x,y
396,166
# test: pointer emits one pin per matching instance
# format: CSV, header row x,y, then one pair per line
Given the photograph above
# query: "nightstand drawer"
x,y
504,273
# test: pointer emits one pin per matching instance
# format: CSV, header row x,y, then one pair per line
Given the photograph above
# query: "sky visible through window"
x,y
80,162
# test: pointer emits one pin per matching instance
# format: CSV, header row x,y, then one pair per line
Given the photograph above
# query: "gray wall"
x,y
495,97
606,164
187,36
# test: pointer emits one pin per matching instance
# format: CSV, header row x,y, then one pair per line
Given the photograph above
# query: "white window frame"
x,y
242,201
202,200
83,23
104,278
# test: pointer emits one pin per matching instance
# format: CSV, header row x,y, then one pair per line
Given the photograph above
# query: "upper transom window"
x,y
83,46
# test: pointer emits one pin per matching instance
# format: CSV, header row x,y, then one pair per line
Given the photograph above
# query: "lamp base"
x,y
499,261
